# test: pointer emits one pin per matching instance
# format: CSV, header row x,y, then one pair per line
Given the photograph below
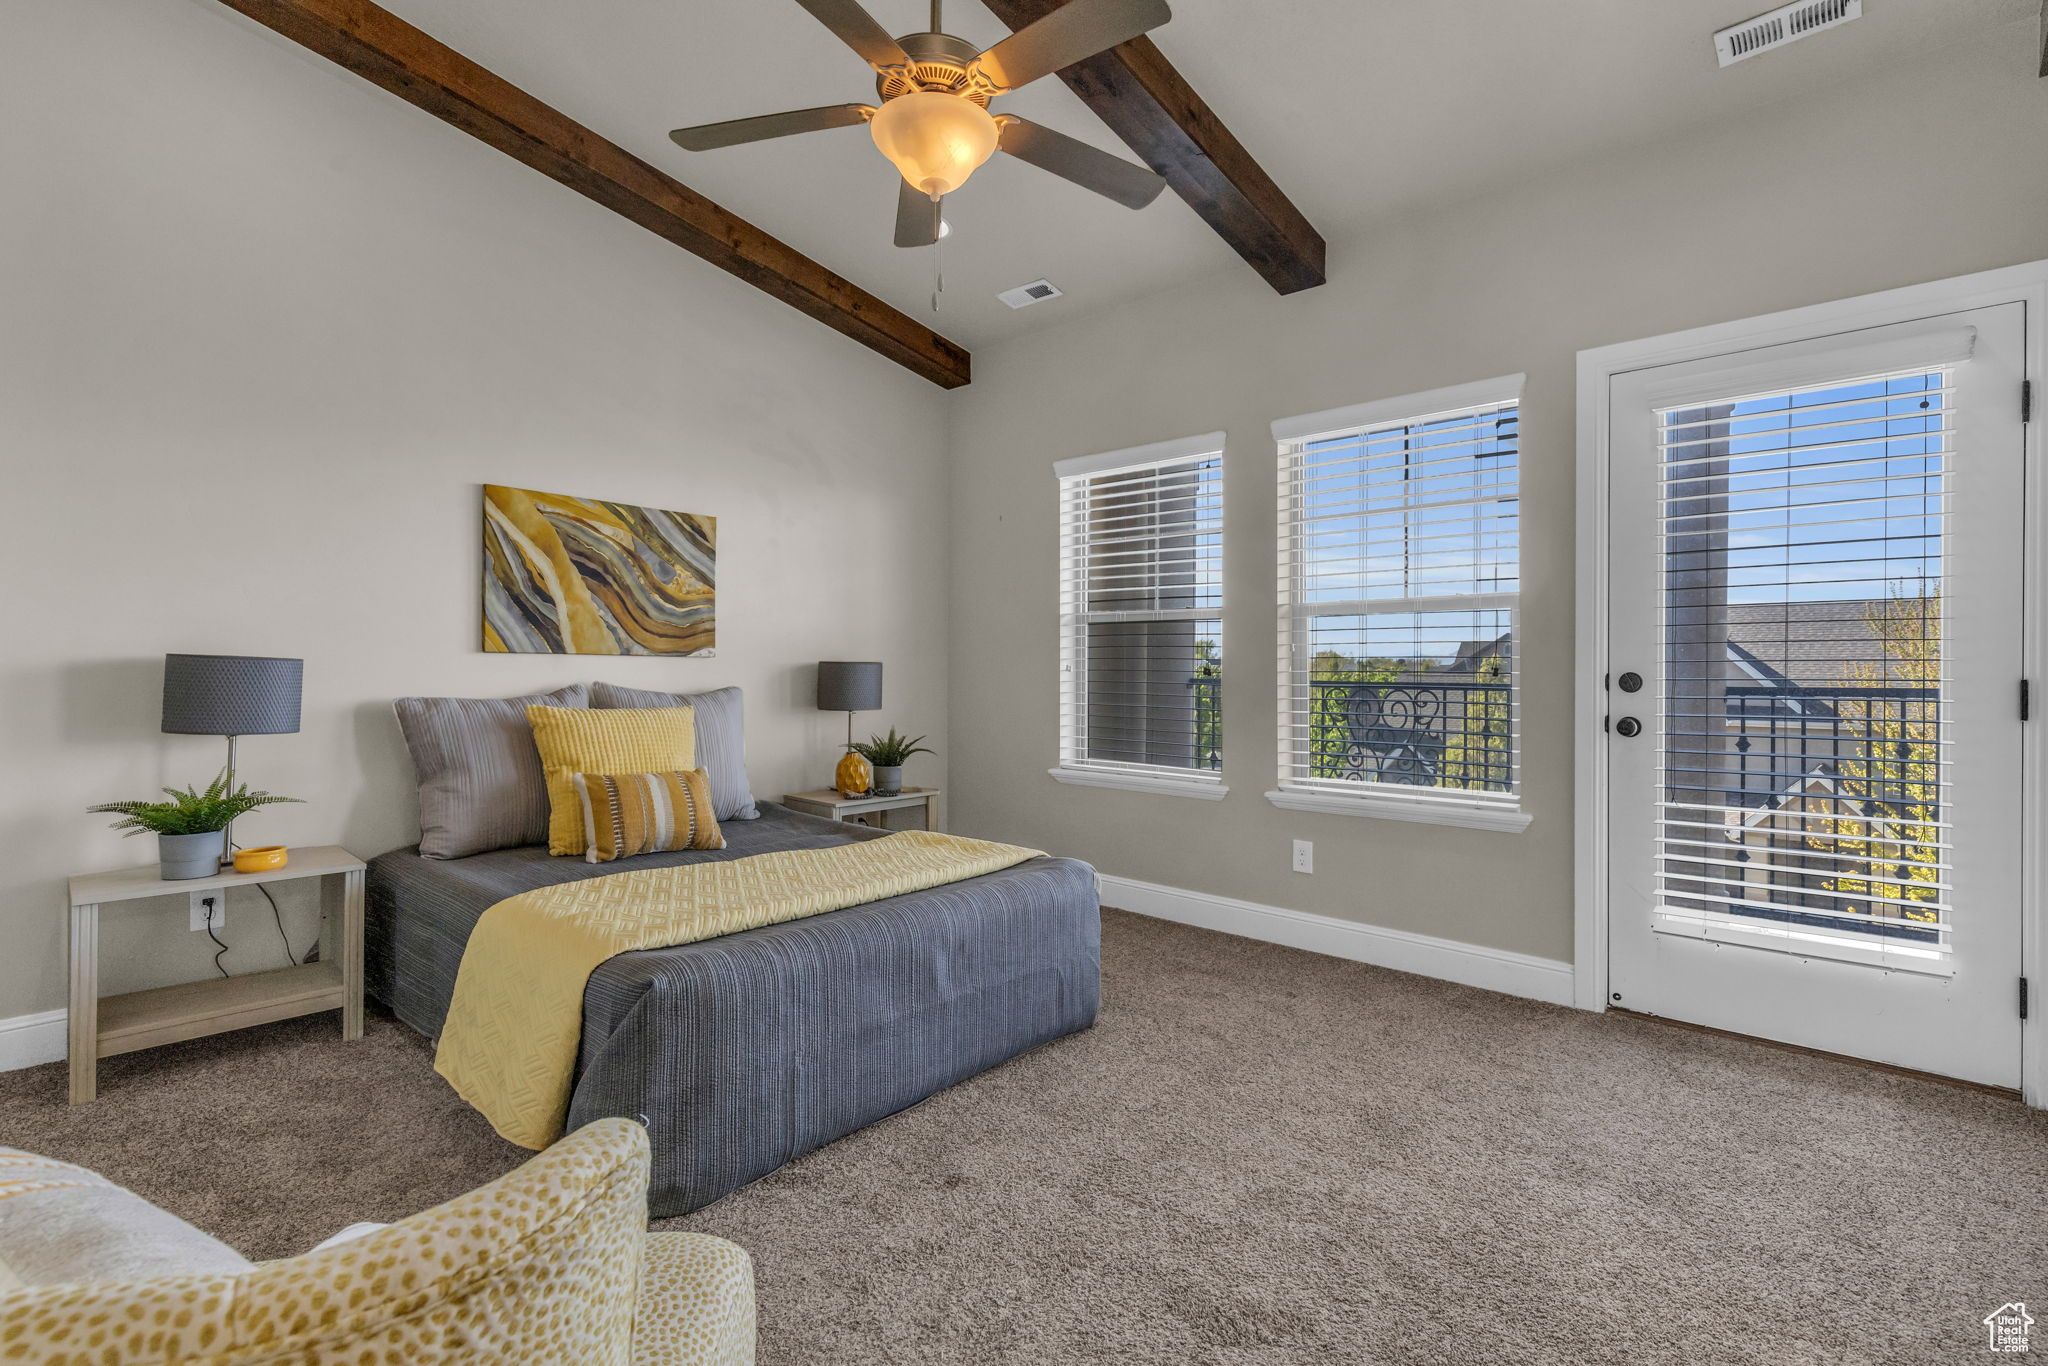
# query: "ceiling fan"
x,y
934,122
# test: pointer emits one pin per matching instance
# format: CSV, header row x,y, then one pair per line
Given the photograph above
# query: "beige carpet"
x,y
1258,1157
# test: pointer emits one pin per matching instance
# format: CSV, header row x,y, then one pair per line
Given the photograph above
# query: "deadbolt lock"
x,y
1630,682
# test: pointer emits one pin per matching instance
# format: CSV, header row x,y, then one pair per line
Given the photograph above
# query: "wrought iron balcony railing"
x,y
1883,742
1208,694
1417,733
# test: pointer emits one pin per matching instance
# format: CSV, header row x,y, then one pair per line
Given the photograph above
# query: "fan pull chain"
x,y
938,245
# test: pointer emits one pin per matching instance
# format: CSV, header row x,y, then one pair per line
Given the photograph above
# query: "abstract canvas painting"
x,y
575,576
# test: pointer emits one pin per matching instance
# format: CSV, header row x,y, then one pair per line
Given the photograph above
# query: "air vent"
x,y
1785,24
1023,296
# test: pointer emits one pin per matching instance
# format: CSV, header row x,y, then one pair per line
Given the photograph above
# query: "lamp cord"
x,y
278,916
216,938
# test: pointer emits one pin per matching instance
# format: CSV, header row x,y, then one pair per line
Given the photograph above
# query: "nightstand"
x,y
871,811
104,1026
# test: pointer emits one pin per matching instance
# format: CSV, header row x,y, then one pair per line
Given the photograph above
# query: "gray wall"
x,y
266,331
1923,172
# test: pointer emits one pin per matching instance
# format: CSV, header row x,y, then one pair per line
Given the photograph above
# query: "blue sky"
x,y
1831,493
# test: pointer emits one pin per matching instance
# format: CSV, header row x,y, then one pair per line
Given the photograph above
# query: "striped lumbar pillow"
x,y
647,813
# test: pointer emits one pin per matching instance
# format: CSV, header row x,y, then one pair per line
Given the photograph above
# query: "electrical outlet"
x,y
1304,856
219,904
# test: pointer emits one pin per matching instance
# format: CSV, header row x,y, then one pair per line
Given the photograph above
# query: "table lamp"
x,y
232,696
850,685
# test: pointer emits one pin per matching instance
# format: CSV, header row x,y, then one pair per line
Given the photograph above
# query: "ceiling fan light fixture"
x,y
937,140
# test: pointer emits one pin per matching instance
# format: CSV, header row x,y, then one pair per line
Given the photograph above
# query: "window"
x,y
1399,577
1807,759
1141,618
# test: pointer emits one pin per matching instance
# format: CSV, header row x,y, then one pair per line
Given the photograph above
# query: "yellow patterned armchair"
x,y
551,1265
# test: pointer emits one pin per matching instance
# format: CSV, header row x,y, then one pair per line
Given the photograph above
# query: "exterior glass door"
x,y
1814,753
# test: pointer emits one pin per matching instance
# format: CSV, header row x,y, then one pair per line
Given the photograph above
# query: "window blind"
x,y
1399,554
1141,610
1805,747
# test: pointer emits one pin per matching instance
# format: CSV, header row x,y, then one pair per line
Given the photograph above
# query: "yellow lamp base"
x,y
854,776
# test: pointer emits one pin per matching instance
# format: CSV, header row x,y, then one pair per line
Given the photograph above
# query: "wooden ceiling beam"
x,y
393,55
1137,92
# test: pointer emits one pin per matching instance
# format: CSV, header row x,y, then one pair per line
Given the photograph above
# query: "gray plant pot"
x,y
185,856
888,781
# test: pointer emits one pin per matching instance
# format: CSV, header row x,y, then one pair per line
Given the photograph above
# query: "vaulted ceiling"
x,y
1359,109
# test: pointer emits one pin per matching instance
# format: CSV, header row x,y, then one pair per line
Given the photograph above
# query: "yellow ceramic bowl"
x,y
263,859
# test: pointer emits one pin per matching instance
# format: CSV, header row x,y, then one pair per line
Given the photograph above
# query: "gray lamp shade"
x,y
849,685
231,695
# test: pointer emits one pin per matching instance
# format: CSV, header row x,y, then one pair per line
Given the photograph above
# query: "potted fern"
x,y
188,827
887,753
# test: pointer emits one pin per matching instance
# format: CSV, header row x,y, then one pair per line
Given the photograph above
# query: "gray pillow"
x,y
481,786
721,740
66,1226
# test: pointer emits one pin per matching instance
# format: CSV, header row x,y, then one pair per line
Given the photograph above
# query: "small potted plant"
x,y
188,827
887,753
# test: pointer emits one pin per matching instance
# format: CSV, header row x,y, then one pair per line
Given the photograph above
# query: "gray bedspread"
x,y
744,1052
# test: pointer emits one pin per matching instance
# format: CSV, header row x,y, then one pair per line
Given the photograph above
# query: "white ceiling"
x,y
1360,109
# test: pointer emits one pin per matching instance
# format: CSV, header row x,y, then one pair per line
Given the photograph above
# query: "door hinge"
x,y
2023,998
2026,400
2026,698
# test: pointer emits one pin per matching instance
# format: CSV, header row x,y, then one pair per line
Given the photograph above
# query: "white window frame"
x,y
1073,767
1434,806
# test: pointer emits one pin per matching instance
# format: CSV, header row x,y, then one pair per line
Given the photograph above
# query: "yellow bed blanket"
x,y
509,1046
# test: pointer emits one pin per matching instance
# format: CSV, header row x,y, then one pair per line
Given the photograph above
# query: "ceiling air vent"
x,y
1785,24
1023,296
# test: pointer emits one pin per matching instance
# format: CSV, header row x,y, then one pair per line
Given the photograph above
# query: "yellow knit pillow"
x,y
575,740
646,813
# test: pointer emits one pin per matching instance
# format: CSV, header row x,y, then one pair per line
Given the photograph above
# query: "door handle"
x,y
1628,727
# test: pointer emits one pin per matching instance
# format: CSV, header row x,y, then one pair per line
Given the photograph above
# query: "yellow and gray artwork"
x,y
574,576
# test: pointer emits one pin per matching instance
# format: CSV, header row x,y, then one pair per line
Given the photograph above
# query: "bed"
x,y
744,1052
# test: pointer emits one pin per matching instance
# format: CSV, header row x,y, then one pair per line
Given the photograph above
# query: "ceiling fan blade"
x,y
732,132
1077,29
859,31
917,217
1129,184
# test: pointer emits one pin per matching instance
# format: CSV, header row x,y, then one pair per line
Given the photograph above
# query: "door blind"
x,y
1399,571
1805,746
1141,593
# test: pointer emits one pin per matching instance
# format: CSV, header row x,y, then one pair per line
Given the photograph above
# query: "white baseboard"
x,y
30,1040
1472,965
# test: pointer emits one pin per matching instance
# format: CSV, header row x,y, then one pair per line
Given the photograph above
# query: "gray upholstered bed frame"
x,y
744,1052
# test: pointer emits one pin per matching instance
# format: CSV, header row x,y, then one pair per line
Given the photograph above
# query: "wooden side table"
x,y
871,811
104,1026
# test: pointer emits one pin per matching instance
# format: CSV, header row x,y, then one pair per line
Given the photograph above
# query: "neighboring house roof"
x,y
1772,645
1805,643
1475,653
1760,674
